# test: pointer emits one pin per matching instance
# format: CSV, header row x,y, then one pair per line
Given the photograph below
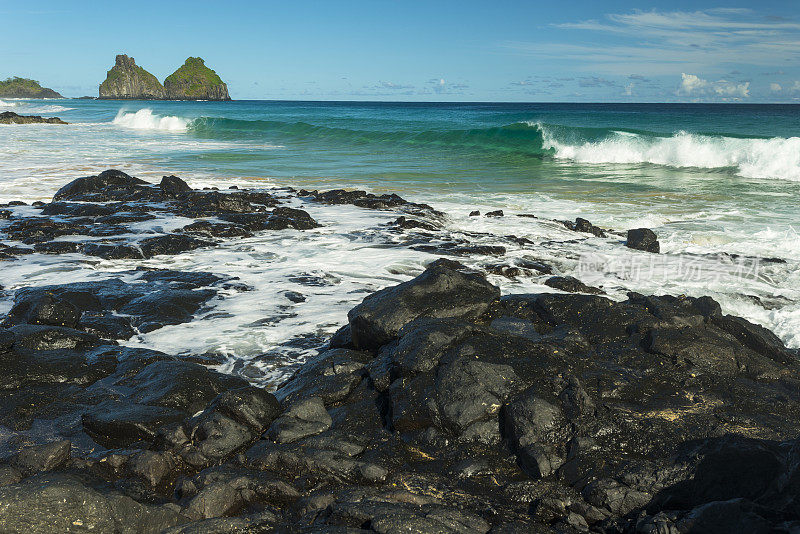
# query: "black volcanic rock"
x,y
464,410
8,117
582,225
108,185
438,292
643,239
571,285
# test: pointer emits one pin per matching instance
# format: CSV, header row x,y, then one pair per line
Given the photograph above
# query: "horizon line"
x,y
795,103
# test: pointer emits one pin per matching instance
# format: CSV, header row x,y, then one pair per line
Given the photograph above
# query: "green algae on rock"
x,y
195,81
127,80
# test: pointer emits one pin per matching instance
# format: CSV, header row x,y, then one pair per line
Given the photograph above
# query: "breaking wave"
x,y
145,119
751,158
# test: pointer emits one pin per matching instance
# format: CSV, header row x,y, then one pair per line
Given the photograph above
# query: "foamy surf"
x,y
777,158
47,109
145,119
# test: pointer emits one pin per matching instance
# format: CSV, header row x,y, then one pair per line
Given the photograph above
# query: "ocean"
x,y
719,184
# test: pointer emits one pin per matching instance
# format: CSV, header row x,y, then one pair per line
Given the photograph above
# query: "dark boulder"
x,y
171,244
65,503
406,223
108,185
438,292
571,285
200,204
643,239
109,251
172,186
220,230
120,424
38,229
46,337
278,219
77,209
41,458
34,307
332,376
305,418
582,225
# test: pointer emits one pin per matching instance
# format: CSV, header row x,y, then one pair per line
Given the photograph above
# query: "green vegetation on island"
x,y
194,81
25,88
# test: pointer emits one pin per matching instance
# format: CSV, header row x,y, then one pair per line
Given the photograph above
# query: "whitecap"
x,y
145,119
777,157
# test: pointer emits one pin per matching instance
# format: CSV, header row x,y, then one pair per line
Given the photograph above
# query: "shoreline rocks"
x,y
643,239
442,406
9,117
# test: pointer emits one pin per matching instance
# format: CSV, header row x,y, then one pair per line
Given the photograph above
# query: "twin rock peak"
x,y
192,81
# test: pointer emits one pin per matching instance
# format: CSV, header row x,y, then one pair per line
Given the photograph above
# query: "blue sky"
x,y
465,50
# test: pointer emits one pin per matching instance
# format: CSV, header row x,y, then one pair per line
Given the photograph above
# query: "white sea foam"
x,y
752,158
47,109
145,119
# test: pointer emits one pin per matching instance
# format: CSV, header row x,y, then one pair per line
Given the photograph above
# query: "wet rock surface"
x,y
101,216
441,407
463,411
643,239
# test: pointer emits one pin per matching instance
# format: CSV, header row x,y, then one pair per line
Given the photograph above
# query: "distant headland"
x,y
25,88
192,81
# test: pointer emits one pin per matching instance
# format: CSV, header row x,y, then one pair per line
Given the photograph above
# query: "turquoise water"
x,y
652,155
708,179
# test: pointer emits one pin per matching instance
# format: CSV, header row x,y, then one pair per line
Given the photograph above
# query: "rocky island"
x,y
192,81
128,81
25,88
441,406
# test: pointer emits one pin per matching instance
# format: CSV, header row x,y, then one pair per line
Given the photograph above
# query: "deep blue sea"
x,y
709,179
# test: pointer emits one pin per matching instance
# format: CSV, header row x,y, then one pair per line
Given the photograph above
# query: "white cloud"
x,y
392,85
693,85
662,43
775,87
441,86
796,87
629,89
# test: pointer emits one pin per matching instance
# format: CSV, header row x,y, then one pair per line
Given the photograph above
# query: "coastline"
x,y
440,404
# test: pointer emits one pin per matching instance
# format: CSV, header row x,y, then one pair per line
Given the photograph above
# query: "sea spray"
x,y
777,158
145,119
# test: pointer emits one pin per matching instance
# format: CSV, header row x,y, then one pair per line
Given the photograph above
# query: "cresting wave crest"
x,y
775,158
145,119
